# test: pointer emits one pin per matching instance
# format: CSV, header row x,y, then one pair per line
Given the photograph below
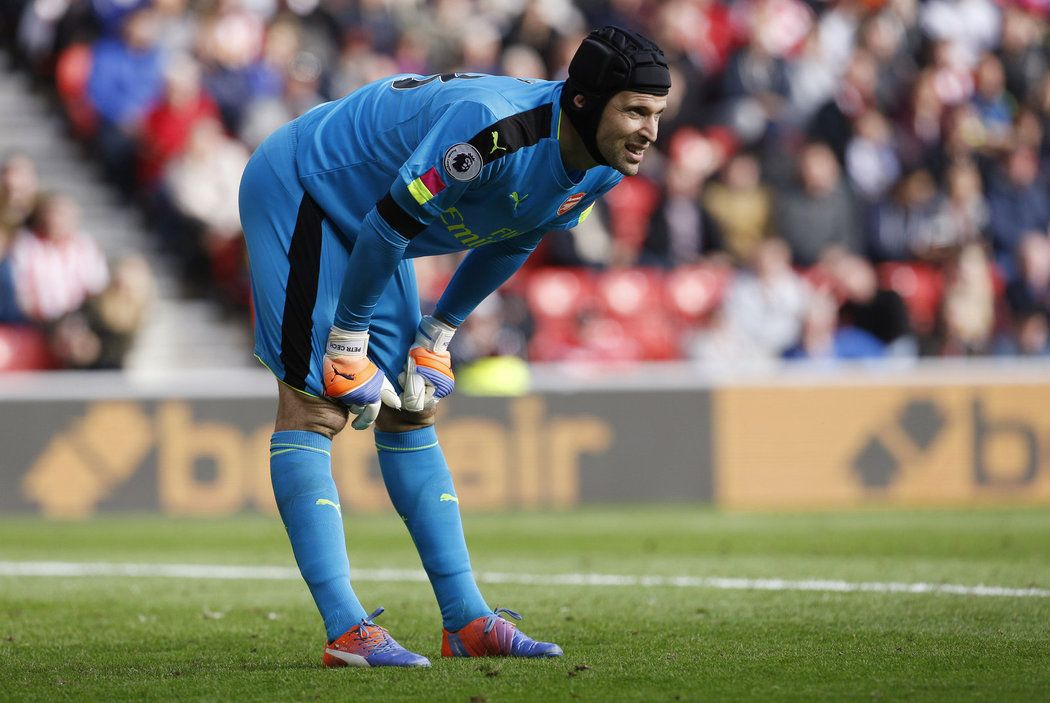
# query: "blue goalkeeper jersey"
x,y
451,162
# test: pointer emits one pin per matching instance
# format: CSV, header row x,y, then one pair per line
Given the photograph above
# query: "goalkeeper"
x,y
334,205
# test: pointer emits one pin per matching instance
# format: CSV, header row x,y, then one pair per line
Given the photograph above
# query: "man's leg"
x,y
420,487
301,472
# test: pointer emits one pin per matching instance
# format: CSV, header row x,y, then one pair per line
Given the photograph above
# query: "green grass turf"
x,y
103,638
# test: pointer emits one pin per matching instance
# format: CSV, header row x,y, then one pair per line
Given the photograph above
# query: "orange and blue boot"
x,y
493,636
368,644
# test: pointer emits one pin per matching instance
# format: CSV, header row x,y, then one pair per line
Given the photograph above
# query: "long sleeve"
x,y
377,252
482,272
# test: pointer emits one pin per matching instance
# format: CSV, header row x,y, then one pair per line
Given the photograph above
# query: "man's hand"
x,y
428,373
351,378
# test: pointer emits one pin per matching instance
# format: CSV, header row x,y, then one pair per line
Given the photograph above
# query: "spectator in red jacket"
x,y
167,127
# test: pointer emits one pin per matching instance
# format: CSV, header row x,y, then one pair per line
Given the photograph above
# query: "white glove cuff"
x,y
346,343
437,333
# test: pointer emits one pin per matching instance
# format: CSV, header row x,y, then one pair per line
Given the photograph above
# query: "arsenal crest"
x,y
570,202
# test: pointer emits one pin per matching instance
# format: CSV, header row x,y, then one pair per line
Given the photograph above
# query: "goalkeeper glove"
x,y
351,378
428,370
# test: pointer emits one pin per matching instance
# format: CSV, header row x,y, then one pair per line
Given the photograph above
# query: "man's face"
x,y
628,127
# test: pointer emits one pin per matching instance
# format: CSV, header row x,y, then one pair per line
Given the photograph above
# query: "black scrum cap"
x,y
609,60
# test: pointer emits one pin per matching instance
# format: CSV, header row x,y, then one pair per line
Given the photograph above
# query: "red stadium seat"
x,y
694,292
229,270
553,340
24,348
631,292
560,293
818,278
631,205
920,285
658,336
605,339
517,284
614,316
998,280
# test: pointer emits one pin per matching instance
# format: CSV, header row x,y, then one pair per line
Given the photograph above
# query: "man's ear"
x,y
579,101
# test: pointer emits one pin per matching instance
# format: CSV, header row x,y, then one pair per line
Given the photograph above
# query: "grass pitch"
x,y
147,638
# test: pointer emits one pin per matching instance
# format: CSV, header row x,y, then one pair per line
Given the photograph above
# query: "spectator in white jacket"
x,y
55,265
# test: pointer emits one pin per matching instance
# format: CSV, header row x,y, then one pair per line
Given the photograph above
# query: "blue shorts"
x,y
298,263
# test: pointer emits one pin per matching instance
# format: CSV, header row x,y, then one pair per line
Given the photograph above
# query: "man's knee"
x,y
298,411
391,420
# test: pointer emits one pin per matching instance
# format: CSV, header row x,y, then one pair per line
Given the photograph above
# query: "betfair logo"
x,y
495,144
200,467
325,501
83,466
518,199
900,442
893,452
145,455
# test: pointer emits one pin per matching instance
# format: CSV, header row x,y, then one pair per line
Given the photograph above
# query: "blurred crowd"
x,y
62,304
833,179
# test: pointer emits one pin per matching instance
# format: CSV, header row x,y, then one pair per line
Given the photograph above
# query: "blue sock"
x,y
301,472
420,487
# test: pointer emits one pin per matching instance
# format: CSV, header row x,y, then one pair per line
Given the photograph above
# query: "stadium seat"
x,y
229,270
24,348
998,279
818,278
630,292
605,339
920,285
658,335
517,284
553,340
631,205
694,292
560,293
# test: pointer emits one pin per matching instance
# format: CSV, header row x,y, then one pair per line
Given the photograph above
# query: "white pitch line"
x,y
280,573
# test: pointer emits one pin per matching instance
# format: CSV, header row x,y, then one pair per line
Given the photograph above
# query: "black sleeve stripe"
x,y
403,223
512,133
